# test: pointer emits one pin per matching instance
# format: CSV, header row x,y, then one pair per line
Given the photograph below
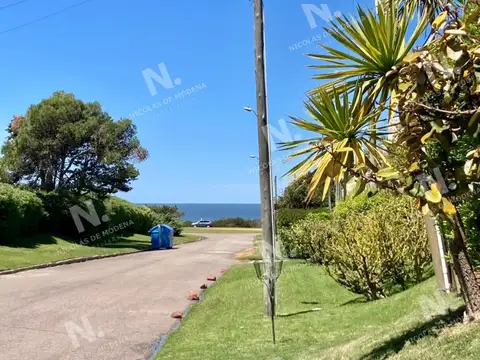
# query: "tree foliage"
x,y
65,144
287,217
295,195
434,92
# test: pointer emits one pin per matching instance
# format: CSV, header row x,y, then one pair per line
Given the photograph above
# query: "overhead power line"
x,y
13,4
44,17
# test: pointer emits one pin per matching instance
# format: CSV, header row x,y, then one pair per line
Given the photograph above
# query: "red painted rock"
x,y
177,315
203,287
192,295
212,278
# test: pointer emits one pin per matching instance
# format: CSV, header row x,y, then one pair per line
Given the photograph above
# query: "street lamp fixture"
x,y
249,109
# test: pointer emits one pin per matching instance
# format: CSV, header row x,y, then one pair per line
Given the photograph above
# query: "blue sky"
x,y
200,144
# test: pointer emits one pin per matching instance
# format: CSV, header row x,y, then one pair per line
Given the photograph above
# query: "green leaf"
x,y
474,118
389,174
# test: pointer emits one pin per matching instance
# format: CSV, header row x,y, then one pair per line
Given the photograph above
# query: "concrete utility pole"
x,y
264,154
437,249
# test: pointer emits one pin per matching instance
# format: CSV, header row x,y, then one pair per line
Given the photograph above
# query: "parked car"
x,y
202,223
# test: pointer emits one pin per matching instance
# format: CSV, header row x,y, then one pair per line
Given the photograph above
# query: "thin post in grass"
x,y
270,279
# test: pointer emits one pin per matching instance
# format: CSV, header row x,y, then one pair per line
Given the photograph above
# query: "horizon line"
x,y
199,203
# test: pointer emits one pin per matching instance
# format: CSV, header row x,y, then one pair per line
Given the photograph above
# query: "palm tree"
x,y
367,72
341,138
373,46
370,50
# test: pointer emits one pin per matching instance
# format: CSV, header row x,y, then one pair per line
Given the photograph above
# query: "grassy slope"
x,y
229,323
46,248
203,230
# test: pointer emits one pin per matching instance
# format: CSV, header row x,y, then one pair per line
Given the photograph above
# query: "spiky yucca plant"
x,y
341,141
370,48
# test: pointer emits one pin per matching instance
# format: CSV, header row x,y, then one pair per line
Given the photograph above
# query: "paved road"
x,y
110,309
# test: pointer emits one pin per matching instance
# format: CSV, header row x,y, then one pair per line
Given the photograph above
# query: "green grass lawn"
x,y
203,230
46,248
229,324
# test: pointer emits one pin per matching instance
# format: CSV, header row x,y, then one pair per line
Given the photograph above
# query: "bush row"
x,y
20,212
236,223
373,246
286,217
24,213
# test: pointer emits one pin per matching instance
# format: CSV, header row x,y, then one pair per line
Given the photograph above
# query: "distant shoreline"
x,y
215,211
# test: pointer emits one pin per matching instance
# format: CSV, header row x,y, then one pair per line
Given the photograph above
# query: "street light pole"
x,y
264,158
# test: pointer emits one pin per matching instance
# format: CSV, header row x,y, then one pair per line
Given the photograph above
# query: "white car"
x,y
202,223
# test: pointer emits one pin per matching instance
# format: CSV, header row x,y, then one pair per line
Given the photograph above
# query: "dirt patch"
x,y
245,254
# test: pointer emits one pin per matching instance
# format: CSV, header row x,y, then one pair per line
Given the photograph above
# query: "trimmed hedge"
x,y
286,217
26,213
140,218
20,213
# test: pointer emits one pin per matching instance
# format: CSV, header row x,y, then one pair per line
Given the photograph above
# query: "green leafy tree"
x,y
4,175
437,101
295,194
65,144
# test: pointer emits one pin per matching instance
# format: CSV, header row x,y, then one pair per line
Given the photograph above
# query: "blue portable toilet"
x,y
166,236
155,236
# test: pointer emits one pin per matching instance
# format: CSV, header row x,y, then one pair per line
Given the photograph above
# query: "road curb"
x,y
79,260
158,345
67,262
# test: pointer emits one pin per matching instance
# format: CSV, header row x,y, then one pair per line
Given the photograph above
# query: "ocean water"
x,y
195,212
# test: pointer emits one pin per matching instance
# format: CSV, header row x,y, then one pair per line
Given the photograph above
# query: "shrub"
x,y
140,218
57,218
362,203
373,246
306,238
20,212
167,209
379,248
169,215
126,218
286,217
236,223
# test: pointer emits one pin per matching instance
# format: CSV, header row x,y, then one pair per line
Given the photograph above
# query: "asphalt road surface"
x,y
110,309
